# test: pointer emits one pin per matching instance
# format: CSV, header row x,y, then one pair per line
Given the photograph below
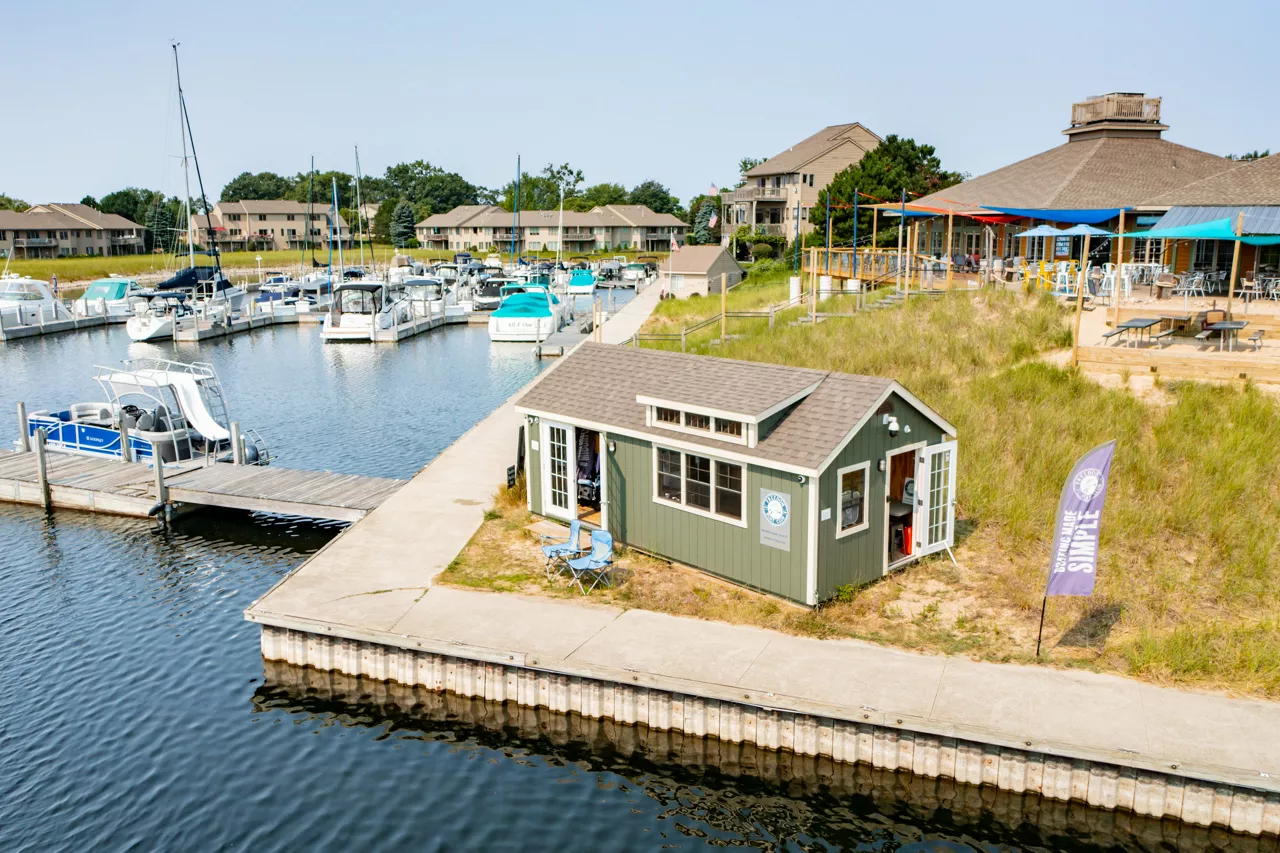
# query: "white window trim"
x,y
684,491
865,467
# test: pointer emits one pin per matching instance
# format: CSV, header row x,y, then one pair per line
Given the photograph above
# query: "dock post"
x,y
237,449
682,340
42,470
162,491
24,431
126,451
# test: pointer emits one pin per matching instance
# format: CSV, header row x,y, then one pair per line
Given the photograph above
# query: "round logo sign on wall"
x,y
1087,483
775,509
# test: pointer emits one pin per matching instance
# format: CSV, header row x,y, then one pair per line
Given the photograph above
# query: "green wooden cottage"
x,y
791,481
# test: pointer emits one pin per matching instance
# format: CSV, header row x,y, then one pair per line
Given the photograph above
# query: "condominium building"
x,y
490,228
775,197
266,224
62,230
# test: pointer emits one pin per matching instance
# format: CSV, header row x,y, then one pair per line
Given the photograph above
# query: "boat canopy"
x,y
108,288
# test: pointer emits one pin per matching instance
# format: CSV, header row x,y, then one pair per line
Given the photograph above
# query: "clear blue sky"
x,y
625,91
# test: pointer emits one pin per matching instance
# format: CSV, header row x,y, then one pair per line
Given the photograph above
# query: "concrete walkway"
x,y
372,574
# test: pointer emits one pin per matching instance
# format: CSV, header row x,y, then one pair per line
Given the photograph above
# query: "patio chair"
x,y
596,566
561,551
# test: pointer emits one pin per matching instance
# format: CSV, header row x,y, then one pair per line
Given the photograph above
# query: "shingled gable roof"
x,y
1109,172
599,384
1256,182
809,149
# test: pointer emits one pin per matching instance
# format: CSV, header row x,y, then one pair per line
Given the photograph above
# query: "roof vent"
x,y
886,408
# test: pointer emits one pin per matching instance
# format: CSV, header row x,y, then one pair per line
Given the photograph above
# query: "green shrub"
x,y
762,251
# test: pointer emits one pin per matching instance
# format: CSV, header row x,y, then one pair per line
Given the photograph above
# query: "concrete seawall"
x,y
882,746
896,795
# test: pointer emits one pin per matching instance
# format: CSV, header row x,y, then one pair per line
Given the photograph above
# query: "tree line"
x,y
407,193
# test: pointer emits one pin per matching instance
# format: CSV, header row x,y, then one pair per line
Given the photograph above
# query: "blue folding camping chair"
x,y
558,552
596,566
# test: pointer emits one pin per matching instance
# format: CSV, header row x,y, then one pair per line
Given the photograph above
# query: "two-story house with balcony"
x,y
775,196
267,224
62,230
490,228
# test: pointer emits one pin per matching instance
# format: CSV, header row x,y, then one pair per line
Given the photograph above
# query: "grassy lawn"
x,y
1190,565
244,264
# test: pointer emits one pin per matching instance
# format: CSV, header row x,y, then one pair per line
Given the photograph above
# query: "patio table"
x,y
1228,331
1139,325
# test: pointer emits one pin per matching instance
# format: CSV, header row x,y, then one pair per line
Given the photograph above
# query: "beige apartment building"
x,y
490,228
62,230
776,196
266,224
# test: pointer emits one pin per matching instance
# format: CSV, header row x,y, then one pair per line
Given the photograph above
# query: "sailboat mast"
x,y
515,216
359,211
560,239
333,220
306,245
186,170
204,201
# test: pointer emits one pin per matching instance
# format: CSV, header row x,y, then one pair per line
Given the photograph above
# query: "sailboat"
x,y
204,283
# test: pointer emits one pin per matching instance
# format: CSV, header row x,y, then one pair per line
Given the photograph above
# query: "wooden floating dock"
x,y
196,329
11,332
128,488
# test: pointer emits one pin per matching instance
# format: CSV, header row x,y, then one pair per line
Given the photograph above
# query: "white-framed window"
x,y
851,498
699,484
664,415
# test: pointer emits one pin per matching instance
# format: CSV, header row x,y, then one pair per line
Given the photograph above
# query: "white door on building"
x,y
935,515
558,498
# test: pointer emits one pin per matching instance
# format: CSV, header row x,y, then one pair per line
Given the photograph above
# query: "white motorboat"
x,y
527,313
28,302
428,297
173,412
157,312
361,311
113,296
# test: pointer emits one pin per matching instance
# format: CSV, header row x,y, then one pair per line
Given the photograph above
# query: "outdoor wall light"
x,y
800,479
612,446
906,429
880,466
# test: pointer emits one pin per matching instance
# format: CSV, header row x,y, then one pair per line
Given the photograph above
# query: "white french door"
x,y
559,498
935,516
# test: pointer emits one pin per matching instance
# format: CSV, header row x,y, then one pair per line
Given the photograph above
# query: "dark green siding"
x,y
715,546
534,433
859,557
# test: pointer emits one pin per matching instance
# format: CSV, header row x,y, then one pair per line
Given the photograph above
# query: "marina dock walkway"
x,y
128,488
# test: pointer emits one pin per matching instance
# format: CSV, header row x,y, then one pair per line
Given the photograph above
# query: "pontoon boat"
x,y
175,412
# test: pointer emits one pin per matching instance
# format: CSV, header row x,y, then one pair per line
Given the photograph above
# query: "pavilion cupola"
x,y
1119,114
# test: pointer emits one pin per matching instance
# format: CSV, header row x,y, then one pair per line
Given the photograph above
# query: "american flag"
x,y
713,190
711,223
675,247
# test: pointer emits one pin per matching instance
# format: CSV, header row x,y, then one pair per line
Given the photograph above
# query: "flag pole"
x,y
1044,602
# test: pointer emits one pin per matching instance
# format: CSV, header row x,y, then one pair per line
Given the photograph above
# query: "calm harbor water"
x,y
135,713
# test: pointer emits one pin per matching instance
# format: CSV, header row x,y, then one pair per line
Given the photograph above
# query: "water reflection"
x,y
721,793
